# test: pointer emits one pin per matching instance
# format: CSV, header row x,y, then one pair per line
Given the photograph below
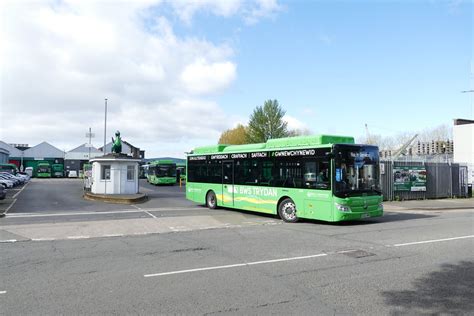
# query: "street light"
x,y
472,103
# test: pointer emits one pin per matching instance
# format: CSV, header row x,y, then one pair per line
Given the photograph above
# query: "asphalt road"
x,y
404,263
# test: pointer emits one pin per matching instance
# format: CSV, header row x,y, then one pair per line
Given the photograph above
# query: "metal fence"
x,y
443,180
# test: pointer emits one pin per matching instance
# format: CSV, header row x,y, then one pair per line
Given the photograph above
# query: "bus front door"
x,y
228,183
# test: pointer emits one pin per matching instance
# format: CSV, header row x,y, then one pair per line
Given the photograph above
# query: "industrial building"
x,y
32,156
75,159
463,133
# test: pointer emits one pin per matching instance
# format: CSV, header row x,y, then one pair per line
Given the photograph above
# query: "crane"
x,y
403,148
368,140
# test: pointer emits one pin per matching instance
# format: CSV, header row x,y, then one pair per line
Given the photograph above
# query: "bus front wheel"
x,y
211,200
287,211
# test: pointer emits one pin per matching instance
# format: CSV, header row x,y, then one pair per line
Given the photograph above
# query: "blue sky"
x,y
179,73
336,65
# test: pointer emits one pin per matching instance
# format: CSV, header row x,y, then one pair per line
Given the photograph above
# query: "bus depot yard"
x,y
62,254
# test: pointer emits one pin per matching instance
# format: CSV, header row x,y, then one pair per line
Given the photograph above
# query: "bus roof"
x,y
278,143
163,162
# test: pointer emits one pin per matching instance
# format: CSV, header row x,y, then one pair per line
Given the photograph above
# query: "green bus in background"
x,y
162,172
57,170
8,167
322,177
43,170
181,172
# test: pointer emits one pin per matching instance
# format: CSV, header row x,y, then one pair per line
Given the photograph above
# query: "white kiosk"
x,y
114,174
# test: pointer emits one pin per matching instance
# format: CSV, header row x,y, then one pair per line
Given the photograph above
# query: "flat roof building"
x,y
463,136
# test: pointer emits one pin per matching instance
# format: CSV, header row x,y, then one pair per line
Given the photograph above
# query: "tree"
x,y
266,122
234,136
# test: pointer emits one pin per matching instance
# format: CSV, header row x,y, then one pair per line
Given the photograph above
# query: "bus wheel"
x,y
287,211
211,200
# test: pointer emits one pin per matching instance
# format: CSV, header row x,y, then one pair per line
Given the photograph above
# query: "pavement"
x,y
63,255
427,205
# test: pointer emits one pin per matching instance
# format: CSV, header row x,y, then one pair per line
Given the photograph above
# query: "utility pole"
x,y
90,135
105,126
471,83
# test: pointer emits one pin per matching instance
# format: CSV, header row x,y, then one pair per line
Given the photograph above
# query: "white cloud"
x,y
294,123
60,59
262,9
201,77
186,9
251,11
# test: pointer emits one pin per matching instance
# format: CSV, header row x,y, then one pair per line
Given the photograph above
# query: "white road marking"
x,y
26,215
113,235
20,190
8,240
345,251
9,207
3,292
431,241
235,265
78,237
145,211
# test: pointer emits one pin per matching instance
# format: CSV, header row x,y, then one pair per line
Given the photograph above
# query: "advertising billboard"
x,y
409,178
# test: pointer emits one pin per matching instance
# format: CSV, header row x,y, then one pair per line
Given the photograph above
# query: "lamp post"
x,y
472,103
105,125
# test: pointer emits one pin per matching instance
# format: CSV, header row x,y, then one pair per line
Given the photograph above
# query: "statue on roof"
x,y
117,143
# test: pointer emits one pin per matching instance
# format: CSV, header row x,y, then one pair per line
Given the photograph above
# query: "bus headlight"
x,y
381,206
343,208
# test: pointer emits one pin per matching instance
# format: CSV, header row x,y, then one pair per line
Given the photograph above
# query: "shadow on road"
x,y
449,291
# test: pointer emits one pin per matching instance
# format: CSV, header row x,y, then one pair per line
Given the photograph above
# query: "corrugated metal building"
x,y
4,155
39,153
77,157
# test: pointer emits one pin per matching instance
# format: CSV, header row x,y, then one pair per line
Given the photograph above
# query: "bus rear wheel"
x,y
211,200
287,211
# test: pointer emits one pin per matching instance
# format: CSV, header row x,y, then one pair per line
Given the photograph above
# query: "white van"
x,y
72,174
29,171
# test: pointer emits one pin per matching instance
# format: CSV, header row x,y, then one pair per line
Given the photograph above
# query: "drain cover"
x,y
358,254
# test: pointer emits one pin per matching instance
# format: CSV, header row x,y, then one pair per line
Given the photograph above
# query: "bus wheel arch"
x,y
286,209
211,199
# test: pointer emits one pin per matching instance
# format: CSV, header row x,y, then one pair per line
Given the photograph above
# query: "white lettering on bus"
x,y
256,191
259,155
291,153
197,158
219,156
236,156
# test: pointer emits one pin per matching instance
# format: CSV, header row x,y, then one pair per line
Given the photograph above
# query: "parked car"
x,y
23,176
6,183
7,176
3,192
16,176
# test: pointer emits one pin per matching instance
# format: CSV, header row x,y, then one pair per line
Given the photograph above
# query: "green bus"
x,y
162,172
322,177
43,170
57,170
9,167
181,172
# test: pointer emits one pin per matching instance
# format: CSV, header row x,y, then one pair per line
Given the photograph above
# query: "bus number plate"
x,y
365,215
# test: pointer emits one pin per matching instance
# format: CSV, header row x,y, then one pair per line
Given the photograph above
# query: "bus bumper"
x,y
340,216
